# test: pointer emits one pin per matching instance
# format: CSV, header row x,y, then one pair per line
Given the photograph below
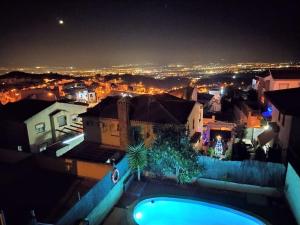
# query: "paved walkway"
x,y
274,210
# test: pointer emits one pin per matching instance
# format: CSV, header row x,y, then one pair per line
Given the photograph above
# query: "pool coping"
x,y
131,207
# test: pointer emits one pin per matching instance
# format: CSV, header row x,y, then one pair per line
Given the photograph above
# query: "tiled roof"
x,y
286,100
23,110
162,108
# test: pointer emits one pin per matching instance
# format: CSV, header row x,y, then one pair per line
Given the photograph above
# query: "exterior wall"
x,y
284,130
246,115
284,84
194,96
292,193
239,115
146,131
123,106
92,130
76,167
109,132
98,202
195,119
270,84
104,131
49,118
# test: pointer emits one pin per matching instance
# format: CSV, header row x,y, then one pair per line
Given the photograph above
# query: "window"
x,y
193,124
43,147
283,86
40,128
136,136
283,120
74,118
62,121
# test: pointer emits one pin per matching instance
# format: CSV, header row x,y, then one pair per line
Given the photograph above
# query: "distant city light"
x,y
233,77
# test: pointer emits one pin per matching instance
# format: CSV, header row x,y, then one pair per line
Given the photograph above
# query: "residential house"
x,y
118,121
286,119
248,113
32,125
276,79
286,132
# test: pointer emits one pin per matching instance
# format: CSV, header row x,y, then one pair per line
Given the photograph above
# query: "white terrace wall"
x,y
292,191
245,172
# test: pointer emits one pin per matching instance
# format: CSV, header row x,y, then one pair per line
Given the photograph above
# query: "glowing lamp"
x,y
138,215
266,127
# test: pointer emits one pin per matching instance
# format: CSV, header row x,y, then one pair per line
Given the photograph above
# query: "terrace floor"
x,y
274,210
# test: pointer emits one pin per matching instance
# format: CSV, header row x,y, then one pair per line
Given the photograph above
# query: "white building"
x,y
33,125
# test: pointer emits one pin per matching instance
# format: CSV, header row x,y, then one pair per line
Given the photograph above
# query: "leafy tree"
x,y
137,155
172,154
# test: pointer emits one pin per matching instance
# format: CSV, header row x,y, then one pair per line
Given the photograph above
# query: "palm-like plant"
x,y
137,156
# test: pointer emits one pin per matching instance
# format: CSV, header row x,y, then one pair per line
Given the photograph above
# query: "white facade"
x,y
284,123
53,123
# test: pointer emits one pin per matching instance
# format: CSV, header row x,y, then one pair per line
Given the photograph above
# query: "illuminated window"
x,y
40,128
62,121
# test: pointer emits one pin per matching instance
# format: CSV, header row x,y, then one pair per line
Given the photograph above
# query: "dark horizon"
x,y
105,33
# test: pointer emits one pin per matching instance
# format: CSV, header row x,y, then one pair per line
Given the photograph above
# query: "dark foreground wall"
x,y
105,192
292,191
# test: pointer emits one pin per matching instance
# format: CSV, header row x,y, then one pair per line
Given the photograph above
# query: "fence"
x,y
245,172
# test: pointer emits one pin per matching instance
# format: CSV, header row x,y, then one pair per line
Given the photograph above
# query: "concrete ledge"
x,y
244,188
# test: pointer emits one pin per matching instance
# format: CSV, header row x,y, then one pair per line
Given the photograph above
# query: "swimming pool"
x,y
179,211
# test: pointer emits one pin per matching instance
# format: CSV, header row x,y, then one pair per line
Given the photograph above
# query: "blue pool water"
x,y
177,211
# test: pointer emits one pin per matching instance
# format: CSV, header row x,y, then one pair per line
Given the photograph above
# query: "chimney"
x,y
123,105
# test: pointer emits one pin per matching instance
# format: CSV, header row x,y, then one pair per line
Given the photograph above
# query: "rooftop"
x,y
93,152
23,110
285,74
286,100
161,108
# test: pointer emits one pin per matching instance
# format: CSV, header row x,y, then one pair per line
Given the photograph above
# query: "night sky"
x,y
103,33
